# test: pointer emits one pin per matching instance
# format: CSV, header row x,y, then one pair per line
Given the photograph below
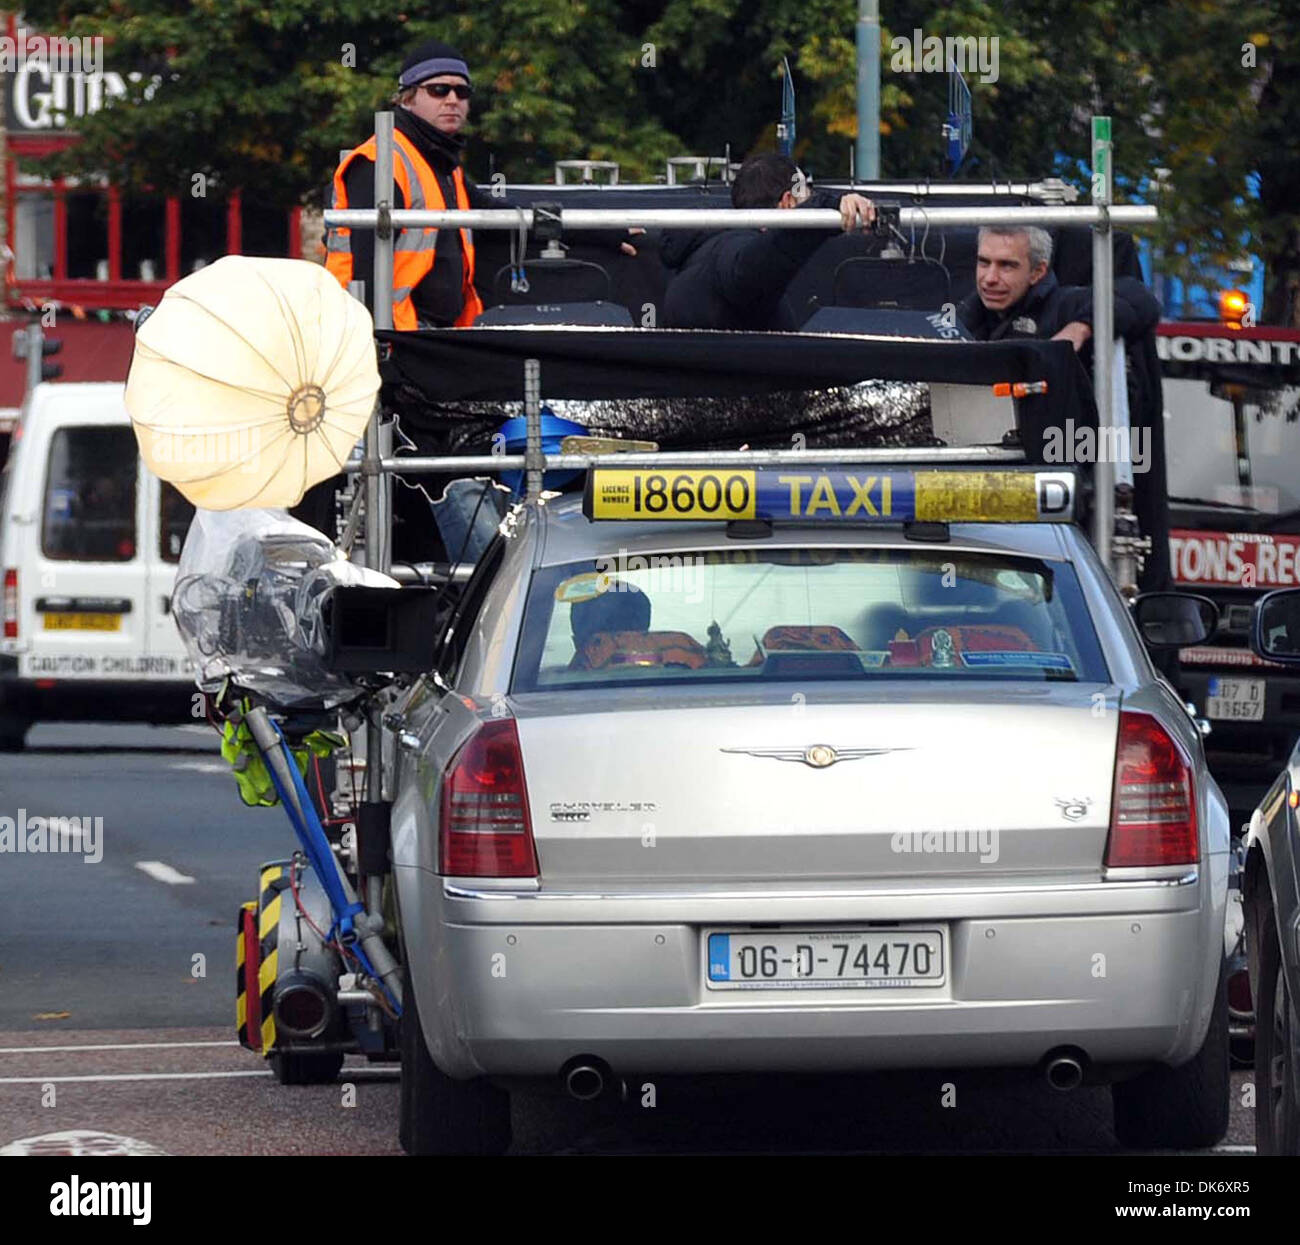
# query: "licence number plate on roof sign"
x,y
1235,700
829,495
822,959
82,622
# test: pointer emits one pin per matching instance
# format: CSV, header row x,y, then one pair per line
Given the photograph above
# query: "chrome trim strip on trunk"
x,y
454,891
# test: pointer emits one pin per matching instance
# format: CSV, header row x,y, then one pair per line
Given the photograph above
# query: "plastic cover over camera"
x,y
247,603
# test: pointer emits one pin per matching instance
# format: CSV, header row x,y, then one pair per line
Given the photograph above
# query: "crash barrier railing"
x,y
1102,216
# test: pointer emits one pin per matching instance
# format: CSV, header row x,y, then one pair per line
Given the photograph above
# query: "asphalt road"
x,y
116,1012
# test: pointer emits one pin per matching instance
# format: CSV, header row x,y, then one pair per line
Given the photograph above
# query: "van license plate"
x,y
826,959
83,622
1235,700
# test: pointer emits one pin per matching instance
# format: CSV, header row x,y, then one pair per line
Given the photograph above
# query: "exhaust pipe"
x,y
302,1006
585,1078
1064,1070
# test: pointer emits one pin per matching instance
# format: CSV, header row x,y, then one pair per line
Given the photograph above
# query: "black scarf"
x,y
443,151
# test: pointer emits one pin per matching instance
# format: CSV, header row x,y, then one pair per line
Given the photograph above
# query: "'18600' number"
x,y
687,494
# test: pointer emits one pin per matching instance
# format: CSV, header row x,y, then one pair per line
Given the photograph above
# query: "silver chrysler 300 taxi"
x,y
809,795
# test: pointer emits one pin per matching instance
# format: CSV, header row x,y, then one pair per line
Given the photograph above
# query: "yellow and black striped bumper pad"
x,y
259,930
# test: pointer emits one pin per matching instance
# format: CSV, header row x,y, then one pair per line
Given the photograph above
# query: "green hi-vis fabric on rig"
x,y
240,750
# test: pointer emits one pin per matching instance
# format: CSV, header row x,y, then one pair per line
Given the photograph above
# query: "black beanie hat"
x,y
431,58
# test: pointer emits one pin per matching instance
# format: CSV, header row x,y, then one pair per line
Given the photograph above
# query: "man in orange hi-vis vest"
x,y
433,269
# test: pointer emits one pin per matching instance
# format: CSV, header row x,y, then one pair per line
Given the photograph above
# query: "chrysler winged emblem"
x,y
816,756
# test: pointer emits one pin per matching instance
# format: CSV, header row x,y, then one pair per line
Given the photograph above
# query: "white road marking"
x,y
1231,1149
32,1050
129,1076
347,1074
81,1142
162,873
201,767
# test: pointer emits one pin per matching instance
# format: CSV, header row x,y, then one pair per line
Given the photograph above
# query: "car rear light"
x,y
11,603
1153,817
486,830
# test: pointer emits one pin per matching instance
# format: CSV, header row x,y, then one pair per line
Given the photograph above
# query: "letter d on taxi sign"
x,y
1055,496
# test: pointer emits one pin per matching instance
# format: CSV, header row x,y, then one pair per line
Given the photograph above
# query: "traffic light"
x,y
1234,307
31,344
51,345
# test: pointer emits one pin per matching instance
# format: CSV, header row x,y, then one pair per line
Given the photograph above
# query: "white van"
x,y
89,541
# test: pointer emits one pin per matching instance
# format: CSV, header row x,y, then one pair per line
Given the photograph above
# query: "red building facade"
x,y
87,249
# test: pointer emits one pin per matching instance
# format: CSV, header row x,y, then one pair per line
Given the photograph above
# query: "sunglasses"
x,y
440,90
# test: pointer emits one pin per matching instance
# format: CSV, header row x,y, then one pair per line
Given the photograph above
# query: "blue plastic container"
x,y
554,430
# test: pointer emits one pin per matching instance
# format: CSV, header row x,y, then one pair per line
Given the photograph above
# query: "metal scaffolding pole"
x,y
378,437
534,460
745,218
867,37
922,455
1103,334
1050,188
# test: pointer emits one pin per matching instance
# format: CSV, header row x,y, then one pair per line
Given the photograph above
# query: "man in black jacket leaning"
x,y
734,278
1017,295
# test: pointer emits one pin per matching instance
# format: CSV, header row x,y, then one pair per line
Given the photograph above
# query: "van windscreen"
x,y
90,495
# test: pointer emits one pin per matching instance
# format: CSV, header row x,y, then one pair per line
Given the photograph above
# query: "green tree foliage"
x,y
252,95
262,94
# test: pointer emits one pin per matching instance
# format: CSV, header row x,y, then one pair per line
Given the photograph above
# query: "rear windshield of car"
x,y
799,615
90,495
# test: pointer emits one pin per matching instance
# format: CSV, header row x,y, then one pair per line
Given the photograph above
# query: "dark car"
x,y
1272,909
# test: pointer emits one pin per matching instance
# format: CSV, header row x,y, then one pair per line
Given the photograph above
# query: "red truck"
x,y
1232,434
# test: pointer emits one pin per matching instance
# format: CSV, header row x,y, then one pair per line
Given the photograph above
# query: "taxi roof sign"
x,y
830,494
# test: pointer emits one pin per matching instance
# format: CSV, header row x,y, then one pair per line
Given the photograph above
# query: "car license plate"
x,y
821,959
1235,700
82,622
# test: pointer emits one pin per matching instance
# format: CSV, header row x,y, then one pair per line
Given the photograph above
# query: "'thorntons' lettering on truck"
x,y
1184,348
1234,559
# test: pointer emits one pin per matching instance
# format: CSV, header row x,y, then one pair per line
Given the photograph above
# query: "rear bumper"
x,y
517,986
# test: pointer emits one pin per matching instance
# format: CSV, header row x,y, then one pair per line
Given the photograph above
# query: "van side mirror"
x,y
380,630
1275,626
1175,619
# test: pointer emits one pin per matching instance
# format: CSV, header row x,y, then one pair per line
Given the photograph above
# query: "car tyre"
x,y
309,1069
1183,1108
440,1115
1277,1069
